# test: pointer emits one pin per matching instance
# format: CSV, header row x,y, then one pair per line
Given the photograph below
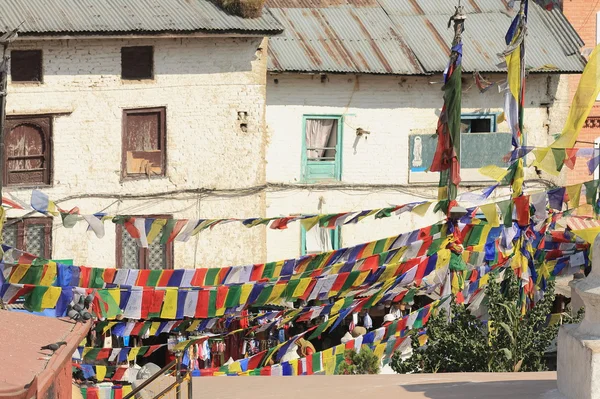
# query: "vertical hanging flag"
x,y
514,56
446,159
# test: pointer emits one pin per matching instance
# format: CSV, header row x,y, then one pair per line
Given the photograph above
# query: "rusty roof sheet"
x,y
101,17
411,37
340,39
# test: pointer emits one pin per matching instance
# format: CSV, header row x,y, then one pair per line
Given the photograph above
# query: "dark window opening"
x,y
26,65
144,142
33,235
478,124
137,62
130,255
27,153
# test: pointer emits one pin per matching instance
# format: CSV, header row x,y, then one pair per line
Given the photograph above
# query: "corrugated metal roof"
x,y
50,17
340,39
412,36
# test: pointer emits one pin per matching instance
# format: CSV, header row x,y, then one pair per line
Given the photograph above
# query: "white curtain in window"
x,y
321,133
318,240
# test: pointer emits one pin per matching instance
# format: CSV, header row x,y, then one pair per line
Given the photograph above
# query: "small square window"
x,y
322,155
478,123
26,65
137,62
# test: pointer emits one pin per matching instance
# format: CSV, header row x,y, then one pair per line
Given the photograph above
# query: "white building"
x,y
131,110
364,81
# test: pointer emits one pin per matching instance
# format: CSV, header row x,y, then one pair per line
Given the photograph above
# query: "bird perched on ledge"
x,y
53,347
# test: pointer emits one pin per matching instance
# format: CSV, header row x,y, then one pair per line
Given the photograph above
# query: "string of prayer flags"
x,y
146,230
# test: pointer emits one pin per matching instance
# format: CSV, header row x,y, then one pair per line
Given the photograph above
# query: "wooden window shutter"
x,y
27,151
144,142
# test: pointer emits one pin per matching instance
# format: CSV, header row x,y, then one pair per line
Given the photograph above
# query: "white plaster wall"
x,y
203,83
390,108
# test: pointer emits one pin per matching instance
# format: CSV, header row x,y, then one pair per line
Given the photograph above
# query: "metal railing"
x,y
173,367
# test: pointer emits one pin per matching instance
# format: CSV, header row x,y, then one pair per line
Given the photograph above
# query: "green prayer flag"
x,y
112,309
384,213
92,354
591,191
474,235
212,303
269,269
559,157
154,278
322,327
350,280
457,263
33,275
167,230
410,296
316,362
506,209
96,278
33,300
233,296
211,275
288,293
379,246
264,295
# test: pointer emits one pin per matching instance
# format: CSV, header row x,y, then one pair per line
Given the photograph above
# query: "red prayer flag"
x,y
146,303
109,275
222,291
202,304
522,207
119,374
257,272
178,226
281,224
370,263
157,301
309,366
198,279
266,371
131,229
164,278
142,279
339,281
104,353
84,276
571,157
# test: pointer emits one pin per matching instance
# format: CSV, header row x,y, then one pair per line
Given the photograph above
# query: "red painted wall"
x,y
60,387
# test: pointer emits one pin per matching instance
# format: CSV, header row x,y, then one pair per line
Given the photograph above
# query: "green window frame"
x,y
327,167
468,118
334,234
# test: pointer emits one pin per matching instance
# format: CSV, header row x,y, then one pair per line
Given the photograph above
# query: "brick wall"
x,y
203,83
582,14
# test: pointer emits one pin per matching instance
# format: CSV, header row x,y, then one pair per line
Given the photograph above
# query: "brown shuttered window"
x,y
27,151
144,143
137,62
26,65
130,255
33,235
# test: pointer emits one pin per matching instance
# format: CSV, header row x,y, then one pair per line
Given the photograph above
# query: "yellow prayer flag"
x,y
132,354
49,274
388,272
589,235
443,258
491,214
100,373
513,66
115,293
235,367
277,292
19,272
246,290
379,350
51,297
368,251
337,306
585,98
155,229
294,364
495,172
126,389
442,193
422,209
545,162
169,307
154,327
574,193
107,327
301,287
309,223
194,326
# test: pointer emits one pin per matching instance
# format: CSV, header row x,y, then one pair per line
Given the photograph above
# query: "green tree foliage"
x,y
508,342
365,362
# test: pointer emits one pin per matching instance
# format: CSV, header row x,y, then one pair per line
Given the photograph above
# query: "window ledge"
x,y
32,83
40,113
137,81
125,179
